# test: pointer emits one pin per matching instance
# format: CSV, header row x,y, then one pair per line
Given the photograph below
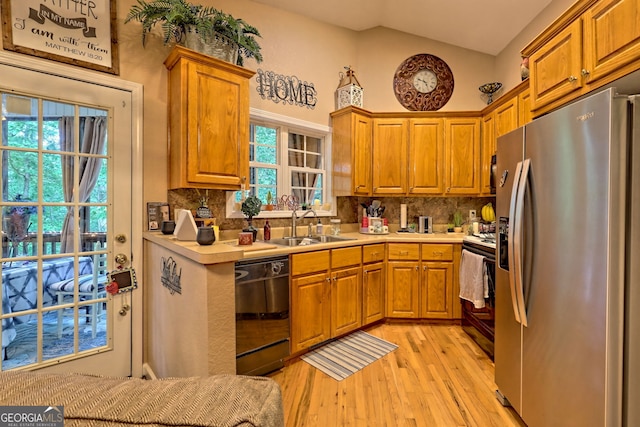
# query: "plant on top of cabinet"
x,y
201,28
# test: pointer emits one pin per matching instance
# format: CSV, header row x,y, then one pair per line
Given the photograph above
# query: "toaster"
x,y
425,224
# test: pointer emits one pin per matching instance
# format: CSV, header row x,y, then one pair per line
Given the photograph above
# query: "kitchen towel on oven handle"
x,y
474,283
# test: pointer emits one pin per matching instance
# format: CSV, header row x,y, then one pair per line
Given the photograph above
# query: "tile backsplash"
x,y
349,209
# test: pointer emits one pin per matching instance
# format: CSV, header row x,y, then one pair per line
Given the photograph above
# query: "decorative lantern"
x,y
349,91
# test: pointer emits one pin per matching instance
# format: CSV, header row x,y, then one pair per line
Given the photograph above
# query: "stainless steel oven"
x,y
479,323
262,315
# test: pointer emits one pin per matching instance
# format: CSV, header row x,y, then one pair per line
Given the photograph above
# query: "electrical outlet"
x,y
472,214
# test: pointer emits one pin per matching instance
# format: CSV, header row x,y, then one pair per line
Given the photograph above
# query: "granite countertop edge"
x,y
229,251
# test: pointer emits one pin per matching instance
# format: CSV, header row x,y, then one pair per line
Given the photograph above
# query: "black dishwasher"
x,y
262,315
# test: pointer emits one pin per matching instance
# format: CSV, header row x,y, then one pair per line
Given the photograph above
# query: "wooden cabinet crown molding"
x,y
179,52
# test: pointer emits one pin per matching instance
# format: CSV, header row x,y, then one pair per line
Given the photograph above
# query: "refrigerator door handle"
x,y
511,241
518,236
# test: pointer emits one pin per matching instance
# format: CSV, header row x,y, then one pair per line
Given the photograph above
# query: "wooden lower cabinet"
x,y
373,292
403,280
346,300
326,295
421,281
337,291
373,283
436,300
310,310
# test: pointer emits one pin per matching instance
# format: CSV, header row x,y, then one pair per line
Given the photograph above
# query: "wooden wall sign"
x,y
78,32
288,89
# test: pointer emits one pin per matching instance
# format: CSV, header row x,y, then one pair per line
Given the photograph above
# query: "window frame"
x,y
293,125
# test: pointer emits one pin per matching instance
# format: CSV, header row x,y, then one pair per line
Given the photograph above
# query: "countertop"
x,y
229,251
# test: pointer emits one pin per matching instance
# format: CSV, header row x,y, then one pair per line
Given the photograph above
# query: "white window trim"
x,y
305,127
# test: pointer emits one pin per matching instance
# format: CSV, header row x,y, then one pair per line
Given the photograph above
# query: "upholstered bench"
x,y
219,400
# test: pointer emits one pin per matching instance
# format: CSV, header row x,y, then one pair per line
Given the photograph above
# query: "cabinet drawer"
x,y
373,253
404,251
309,262
345,257
437,252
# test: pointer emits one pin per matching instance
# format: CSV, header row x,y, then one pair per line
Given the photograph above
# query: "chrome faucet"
x,y
294,219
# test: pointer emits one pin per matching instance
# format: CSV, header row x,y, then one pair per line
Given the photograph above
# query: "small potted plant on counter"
x,y
269,206
250,208
457,222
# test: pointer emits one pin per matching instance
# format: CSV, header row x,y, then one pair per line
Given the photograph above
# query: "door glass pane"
x,y
55,211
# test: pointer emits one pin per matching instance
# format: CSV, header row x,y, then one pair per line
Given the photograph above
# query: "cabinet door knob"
x,y
572,79
417,268
585,73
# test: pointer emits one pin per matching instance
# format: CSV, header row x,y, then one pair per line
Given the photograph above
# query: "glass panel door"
x,y
60,164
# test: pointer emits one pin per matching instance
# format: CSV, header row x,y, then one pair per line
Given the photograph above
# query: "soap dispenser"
x,y
319,228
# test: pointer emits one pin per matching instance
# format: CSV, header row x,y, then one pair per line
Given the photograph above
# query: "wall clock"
x,y
423,83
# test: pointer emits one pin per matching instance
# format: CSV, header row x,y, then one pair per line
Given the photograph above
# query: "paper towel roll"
x,y
403,216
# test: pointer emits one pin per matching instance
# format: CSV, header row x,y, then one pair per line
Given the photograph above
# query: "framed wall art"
x,y
78,32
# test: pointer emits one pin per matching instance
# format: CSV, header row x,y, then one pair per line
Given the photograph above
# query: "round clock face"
x,y
423,83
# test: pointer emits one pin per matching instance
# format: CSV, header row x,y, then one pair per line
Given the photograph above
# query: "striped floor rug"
x,y
349,354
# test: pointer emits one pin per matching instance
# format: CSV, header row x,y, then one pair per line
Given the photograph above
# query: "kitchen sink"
x,y
329,239
301,241
293,241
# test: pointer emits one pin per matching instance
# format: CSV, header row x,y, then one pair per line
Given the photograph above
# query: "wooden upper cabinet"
x,y
389,153
462,155
426,156
524,107
208,121
351,159
611,36
592,44
506,117
555,69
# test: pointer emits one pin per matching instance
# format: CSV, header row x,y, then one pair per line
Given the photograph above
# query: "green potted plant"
x,y
269,205
457,222
250,208
241,33
198,27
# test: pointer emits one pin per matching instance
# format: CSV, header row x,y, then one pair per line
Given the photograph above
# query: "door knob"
x,y
121,259
121,238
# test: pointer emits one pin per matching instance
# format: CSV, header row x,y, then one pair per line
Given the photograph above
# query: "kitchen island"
x,y
190,297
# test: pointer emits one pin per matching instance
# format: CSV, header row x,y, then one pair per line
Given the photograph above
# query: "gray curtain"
x,y
93,131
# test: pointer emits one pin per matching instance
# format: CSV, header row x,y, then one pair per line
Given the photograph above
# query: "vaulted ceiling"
x,y
486,26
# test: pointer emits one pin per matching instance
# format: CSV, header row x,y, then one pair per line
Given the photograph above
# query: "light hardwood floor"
x,y
437,377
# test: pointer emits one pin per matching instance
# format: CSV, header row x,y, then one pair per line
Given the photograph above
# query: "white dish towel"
x,y
474,282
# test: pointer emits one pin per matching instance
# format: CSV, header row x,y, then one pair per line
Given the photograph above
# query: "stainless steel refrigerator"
x,y
567,338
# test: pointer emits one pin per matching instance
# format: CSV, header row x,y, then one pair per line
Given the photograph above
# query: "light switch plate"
x,y
472,215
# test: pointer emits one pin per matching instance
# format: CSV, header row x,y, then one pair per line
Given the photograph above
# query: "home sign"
x,y
288,89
